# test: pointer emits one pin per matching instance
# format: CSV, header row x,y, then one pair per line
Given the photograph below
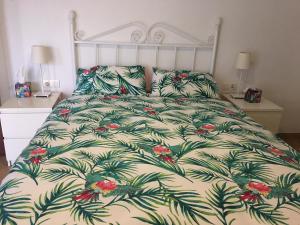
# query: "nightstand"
x,y
266,112
21,118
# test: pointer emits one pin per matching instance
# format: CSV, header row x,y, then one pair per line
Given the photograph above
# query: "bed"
x,y
138,159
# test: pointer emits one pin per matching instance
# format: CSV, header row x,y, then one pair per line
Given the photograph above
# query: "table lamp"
x,y
242,65
40,55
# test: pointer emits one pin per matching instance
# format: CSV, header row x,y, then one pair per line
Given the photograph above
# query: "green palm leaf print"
x,y
13,206
56,200
152,160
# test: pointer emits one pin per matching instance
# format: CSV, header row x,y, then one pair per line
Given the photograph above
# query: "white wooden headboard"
x,y
153,37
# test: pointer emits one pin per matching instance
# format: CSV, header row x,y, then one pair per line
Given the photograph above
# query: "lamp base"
x,y
41,94
238,96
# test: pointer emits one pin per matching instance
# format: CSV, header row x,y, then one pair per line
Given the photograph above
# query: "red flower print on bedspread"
x,y
86,72
38,152
110,97
229,112
36,160
152,113
281,154
249,196
150,110
258,187
85,196
201,131
64,112
104,186
94,69
123,90
167,158
275,151
161,150
146,109
288,159
113,126
101,129
183,75
254,190
163,153
208,127
114,96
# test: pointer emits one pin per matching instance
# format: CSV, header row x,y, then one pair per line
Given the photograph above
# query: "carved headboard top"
x,y
154,36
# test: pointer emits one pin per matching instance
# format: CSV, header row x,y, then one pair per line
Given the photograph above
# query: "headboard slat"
x,y
175,58
117,55
137,56
194,58
152,37
156,56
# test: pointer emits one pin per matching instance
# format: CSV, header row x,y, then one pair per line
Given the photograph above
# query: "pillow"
x,y
85,78
185,83
112,80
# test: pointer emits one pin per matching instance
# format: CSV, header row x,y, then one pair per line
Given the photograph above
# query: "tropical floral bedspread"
x,y
141,160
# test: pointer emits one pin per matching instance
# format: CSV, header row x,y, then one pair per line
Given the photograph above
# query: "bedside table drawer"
x,y
21,125
270,120
266,112
13,148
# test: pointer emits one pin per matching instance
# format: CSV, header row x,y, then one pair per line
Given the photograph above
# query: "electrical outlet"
x,y
233,88
51,84
46,83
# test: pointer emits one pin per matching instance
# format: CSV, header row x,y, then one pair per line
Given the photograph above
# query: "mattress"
x,y
151,160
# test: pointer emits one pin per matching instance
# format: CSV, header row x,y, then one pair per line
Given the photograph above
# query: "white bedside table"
x,y
21,118
266,112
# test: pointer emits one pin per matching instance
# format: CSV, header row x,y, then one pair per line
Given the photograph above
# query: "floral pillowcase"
x,y
183,83
84,81
111,80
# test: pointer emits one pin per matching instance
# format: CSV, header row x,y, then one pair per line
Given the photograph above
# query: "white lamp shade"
x,y
40,54
243,61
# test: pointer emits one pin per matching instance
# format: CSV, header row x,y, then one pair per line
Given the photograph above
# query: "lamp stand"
x,y
239,94
42,94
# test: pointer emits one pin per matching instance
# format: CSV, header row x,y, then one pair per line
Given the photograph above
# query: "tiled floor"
x,y
291,139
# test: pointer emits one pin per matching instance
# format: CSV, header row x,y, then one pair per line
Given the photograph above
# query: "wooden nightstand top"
x,y
30,104
264,105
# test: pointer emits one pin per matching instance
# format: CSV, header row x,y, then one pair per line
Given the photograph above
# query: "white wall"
x,y
4,89
268,28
